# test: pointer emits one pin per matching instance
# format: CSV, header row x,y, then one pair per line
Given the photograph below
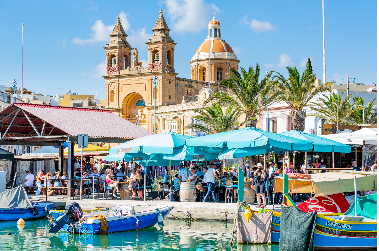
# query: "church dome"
x,y
218,47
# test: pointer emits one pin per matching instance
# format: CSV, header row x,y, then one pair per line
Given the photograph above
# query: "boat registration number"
x,y
338,225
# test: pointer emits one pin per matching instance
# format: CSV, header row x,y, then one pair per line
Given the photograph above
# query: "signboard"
x,y
200,156
82,140
125,150
137,158
226,156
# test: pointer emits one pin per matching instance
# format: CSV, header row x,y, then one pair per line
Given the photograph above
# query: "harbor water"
x,y
176,235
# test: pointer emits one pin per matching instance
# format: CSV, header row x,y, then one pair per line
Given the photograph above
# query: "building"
x,y
76,100
130,88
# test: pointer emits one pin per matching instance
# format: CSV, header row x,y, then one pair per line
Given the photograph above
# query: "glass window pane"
x,y
215,31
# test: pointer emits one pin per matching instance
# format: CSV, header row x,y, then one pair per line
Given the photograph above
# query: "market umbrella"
x,y
186,153
241,152
249,137
320,144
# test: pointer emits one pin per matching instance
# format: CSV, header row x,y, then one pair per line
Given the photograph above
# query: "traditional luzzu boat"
x,y
351,230
15,204
119,218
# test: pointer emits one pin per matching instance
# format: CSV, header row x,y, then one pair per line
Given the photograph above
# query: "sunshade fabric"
x,y
163,143
367,206
241,152
188,153
115,157
89,148
320,144
329,183
250,137
368,136
14,198
45,151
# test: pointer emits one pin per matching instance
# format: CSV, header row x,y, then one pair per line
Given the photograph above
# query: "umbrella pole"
x,y
170,180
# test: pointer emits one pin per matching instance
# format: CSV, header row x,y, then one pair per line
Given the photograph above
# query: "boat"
x,y
120,218
15,204
342,230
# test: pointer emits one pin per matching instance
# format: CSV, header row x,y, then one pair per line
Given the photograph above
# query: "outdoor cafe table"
x,y
317,170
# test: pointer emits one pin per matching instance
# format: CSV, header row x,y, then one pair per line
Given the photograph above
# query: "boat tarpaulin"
x,y
296,229
335,203
367,207
322,184
15,198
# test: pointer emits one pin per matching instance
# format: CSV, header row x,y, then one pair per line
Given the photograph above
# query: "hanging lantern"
x,y
156,57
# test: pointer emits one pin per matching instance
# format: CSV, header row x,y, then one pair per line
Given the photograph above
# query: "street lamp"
x,y
155,101
14,89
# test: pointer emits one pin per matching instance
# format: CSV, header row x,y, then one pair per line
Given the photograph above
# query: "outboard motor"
x,y
73,213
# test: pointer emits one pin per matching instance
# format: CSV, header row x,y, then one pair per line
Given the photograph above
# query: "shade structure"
x,y
44,151
186,153
365,136
6,155
161,162
249,137
115,157
320,144
163,143
241,152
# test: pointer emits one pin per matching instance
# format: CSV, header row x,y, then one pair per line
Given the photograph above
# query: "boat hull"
x,y
26,214
333,233
119,223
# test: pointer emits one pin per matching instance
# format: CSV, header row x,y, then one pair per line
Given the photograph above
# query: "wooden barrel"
x,y
248,193
125,193
187,192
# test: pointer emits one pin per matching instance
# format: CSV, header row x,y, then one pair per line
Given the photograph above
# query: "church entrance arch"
x,y
133,107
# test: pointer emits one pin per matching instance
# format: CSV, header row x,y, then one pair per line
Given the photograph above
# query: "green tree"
x,y
328,105
370,116
249,93
297,91
216,120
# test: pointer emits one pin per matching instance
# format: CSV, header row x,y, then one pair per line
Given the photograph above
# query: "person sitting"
x,y
57,182
316,164
355,167
192,176
109,180
137,181
29,180
374,167
177,184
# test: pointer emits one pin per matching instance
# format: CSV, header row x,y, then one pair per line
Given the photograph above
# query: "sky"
x,y
64,40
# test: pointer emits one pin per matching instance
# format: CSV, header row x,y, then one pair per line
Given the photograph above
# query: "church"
x,y
131,89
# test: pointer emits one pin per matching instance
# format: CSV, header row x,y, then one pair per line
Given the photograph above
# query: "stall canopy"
x,y
365,136
320,144
322,184
44,151
6,155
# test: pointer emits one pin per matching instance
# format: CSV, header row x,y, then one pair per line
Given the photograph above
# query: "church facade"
x,y
131,89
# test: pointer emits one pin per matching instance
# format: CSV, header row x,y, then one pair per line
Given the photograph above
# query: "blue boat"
x,y
15,204
120,218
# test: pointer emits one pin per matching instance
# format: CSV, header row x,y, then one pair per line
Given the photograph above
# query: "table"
x,y
317,170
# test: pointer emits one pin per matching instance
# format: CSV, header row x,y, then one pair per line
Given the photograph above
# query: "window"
x,y
210,32
219,33
203,74
215,31
111,96
169,82
273,126
172,125
219,74
140,103
169,97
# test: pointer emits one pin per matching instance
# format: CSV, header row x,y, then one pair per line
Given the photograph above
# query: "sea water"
x,y
176,235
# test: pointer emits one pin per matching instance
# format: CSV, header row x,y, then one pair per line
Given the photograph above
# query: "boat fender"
x,y
20,222
160,219
34,211
46,209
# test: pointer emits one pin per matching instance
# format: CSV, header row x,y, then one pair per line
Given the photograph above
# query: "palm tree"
x,y
298,91
248,92
370,116
333,109
215,120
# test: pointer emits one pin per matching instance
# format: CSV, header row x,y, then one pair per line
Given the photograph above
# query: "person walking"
x,y
259,181
209,176
39,182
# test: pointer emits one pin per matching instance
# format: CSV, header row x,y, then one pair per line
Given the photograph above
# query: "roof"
x,y
29,120
214,21
6,155
217,45
118,29
161,22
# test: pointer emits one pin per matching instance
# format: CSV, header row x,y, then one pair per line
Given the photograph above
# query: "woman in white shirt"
x,y
192,177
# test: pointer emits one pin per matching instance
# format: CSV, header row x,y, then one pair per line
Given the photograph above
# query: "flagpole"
x,y
323,44
22,62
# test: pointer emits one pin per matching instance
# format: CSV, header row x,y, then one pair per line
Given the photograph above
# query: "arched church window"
x,y
126,65
219,74
203,74
113,61
215,31
111,96
140,103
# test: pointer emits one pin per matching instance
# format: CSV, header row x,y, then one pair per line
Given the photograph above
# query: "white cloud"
x,y
339,79
100,31
93,5
100,70
139,38
303,62
64,42
257,26
237,50
144,62
190,15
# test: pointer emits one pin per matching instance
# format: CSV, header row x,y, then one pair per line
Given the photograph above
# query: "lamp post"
x,y
155,101
14,89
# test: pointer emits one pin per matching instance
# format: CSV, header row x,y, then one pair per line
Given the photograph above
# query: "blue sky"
x,y
64,40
